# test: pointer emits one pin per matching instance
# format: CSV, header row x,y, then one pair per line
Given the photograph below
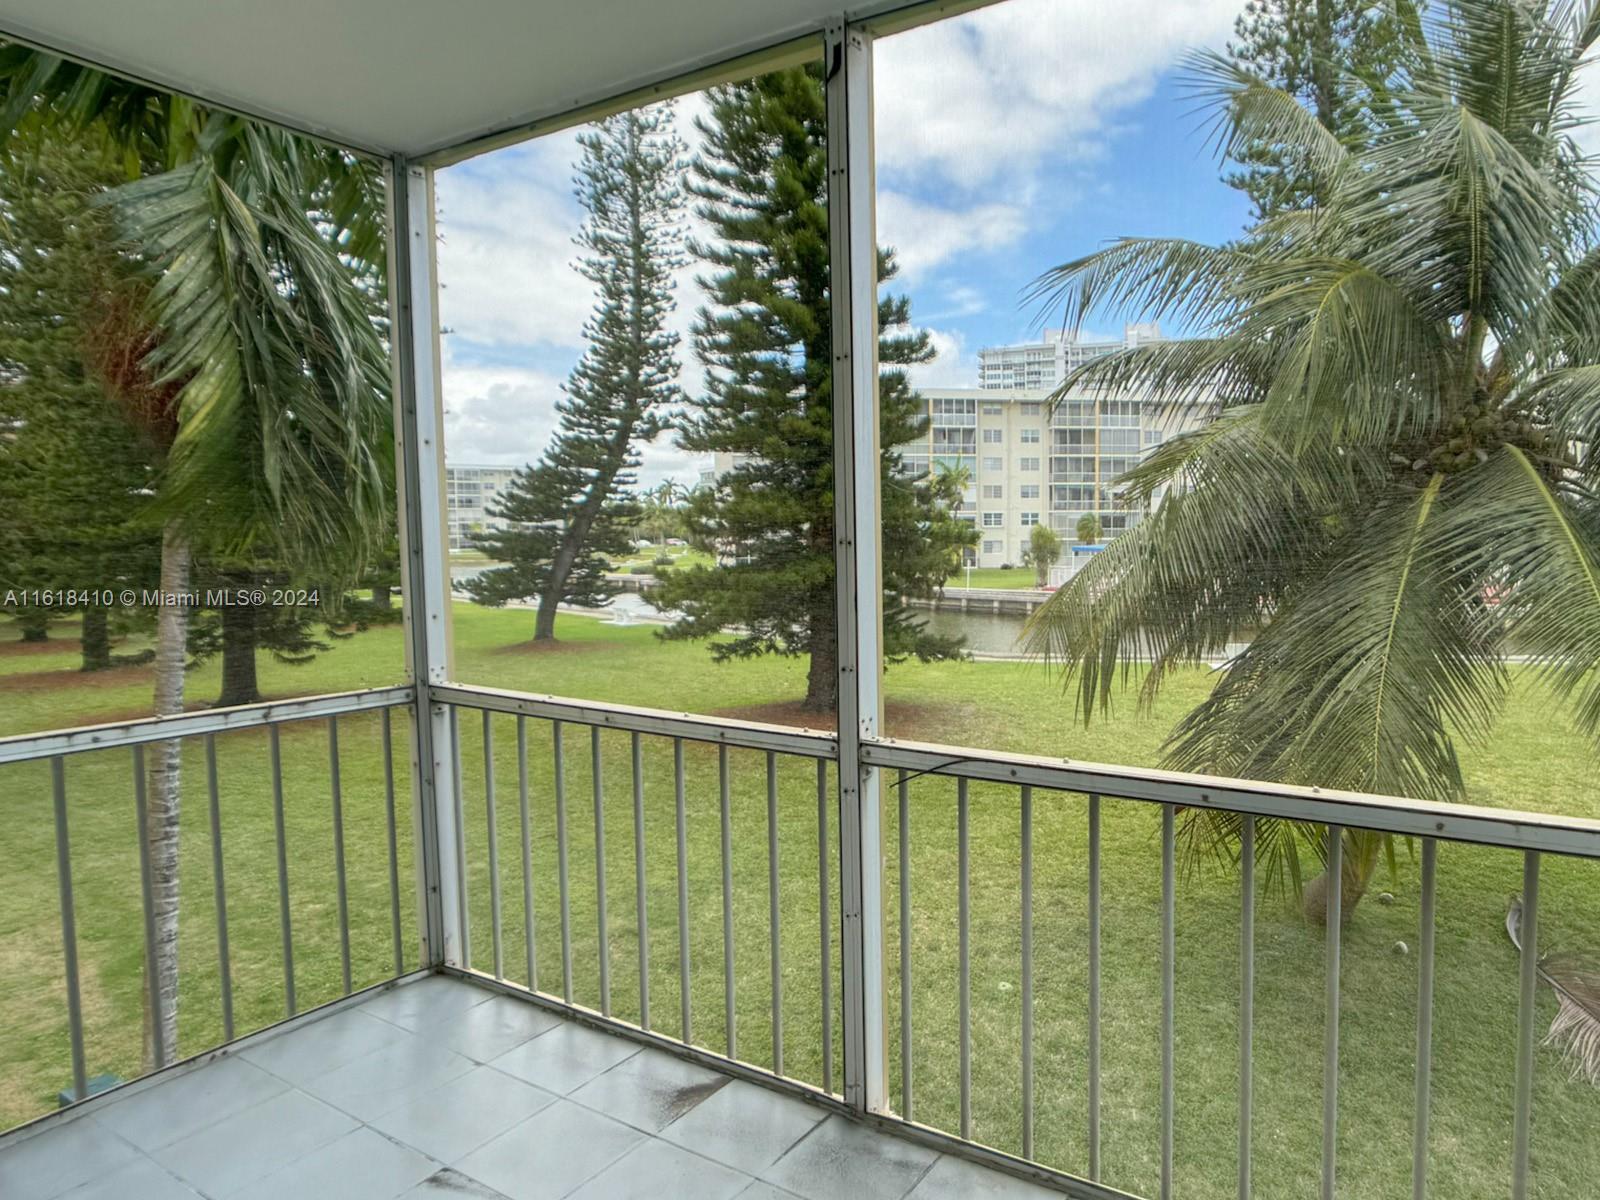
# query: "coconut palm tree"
x,y
252,355
1401,479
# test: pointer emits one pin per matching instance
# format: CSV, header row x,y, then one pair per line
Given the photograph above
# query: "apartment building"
x,y
1027,463
469,491
1044,364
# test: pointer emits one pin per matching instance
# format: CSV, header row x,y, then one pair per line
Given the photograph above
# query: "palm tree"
x,y
253,357
1401,478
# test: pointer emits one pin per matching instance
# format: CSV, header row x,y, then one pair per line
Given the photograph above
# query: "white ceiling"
x,y
409,76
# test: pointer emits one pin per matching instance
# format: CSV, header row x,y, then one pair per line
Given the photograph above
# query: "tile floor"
x,y
440,1089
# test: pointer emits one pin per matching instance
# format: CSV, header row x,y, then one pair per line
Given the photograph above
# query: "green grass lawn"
x,y
995,577
1534,761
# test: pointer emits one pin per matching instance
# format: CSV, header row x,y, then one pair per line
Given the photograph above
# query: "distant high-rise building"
x,y
1045,363
469,491
1027,463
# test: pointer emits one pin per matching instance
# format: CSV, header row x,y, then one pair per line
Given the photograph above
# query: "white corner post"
x,y
858,557
424,563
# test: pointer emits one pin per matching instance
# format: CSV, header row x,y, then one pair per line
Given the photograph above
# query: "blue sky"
x,y
1008,140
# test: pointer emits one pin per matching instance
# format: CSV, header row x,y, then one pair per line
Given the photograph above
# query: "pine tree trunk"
x,y
544,624
822,676
238,656
162,797
383,596
95,640
35,625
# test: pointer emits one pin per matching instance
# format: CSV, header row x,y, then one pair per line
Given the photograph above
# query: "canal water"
x,y
986,633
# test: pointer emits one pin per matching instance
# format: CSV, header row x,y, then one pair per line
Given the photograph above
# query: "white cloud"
x,y
952,366
981,100
1588,103
497,415
505,416
926,235
506,224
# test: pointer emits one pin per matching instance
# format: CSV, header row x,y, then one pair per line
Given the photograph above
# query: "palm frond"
x,y
1247,113
1575,1029
1242,518
1549,572
1166,278
284,432
1367,672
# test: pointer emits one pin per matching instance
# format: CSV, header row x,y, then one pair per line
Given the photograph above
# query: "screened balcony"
x,y
639,936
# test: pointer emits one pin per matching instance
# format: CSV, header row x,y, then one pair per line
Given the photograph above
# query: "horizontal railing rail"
x,y
29,747
727,731
1507,828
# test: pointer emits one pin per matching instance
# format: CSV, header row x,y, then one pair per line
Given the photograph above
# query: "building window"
x,y
994,491
1027,464
1152,437
993,437
1031,409
1030,437
993,520
991,409
992,547
994,464
1030,518
1030,491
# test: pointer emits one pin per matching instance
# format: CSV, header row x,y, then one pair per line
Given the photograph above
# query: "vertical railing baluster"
x,y
494,845
641,906
394,843
147,889
964,921
1027,972
903,795
1247,995
1168,996
1094,988
685,1004
459,802
219,889
529,941
600,870
1334,878
1522,1121
728,1015
337,790
824,905
772,915
561,861
1419,1144
69,929
285,927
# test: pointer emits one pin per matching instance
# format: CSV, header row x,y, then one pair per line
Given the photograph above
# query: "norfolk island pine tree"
x,y
765,340
571,512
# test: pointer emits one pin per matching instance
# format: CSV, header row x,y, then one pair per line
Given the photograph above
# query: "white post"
x,y
859,551
424,564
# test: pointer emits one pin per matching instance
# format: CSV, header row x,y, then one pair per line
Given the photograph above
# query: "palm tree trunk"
x,y
162,794
1360,860
95,640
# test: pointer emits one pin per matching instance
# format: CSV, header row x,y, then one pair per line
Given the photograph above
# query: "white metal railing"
x,y
1531,834
56,746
